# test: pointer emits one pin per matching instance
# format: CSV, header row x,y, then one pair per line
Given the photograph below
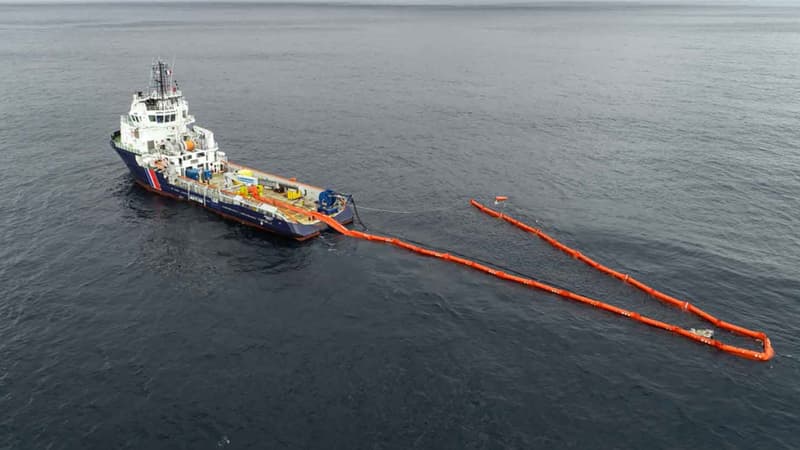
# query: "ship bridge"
x,y
159,117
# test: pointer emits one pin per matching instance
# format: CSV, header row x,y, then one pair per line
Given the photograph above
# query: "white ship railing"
x,y
217,195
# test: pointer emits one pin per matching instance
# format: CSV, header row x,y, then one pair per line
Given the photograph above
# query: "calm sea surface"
x,y
662,140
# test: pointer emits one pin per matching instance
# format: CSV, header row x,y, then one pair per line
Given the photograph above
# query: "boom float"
x,y
765,355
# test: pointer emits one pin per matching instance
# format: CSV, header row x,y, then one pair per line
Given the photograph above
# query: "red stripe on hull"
x,y
153,179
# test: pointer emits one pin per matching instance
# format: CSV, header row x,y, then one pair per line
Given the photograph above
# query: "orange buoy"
x,y
189,145
500,198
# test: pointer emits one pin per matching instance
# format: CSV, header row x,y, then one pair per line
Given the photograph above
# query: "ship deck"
x,y
217,182
304,202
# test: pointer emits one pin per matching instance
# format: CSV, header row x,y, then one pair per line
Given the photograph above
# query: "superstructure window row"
x,y
162,118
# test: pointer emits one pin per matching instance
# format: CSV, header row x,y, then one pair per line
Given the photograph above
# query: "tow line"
x,y
703,338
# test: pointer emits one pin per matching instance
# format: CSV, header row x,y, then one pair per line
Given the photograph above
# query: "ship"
x,y
168,154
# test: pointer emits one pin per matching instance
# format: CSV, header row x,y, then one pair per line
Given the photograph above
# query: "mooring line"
x,y
393,211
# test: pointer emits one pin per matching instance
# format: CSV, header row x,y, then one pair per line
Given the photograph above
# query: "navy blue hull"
x,y
238,213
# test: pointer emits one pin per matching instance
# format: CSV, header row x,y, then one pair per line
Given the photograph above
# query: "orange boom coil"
x,y
738,351
684,305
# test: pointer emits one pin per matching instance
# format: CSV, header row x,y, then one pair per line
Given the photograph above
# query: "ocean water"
x,y
660,139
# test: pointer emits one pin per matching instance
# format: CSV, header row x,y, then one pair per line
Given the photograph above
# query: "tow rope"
x,y
701,337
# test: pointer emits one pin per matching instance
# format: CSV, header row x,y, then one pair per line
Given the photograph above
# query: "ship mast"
x,y
161,79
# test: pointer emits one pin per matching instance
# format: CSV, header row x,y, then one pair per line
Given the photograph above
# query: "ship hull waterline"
x,y
159,185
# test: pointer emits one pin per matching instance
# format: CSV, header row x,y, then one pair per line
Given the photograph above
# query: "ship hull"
x,y
154,182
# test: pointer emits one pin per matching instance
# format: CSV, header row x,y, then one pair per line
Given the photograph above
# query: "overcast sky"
x,y
780,3
421,2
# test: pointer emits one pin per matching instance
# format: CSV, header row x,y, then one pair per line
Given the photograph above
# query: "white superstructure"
x,y
160,130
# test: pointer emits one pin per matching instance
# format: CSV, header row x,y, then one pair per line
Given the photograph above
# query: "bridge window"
x,y
152,118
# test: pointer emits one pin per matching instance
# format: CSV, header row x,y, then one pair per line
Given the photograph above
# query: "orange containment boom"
x,y
738,351
684,305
